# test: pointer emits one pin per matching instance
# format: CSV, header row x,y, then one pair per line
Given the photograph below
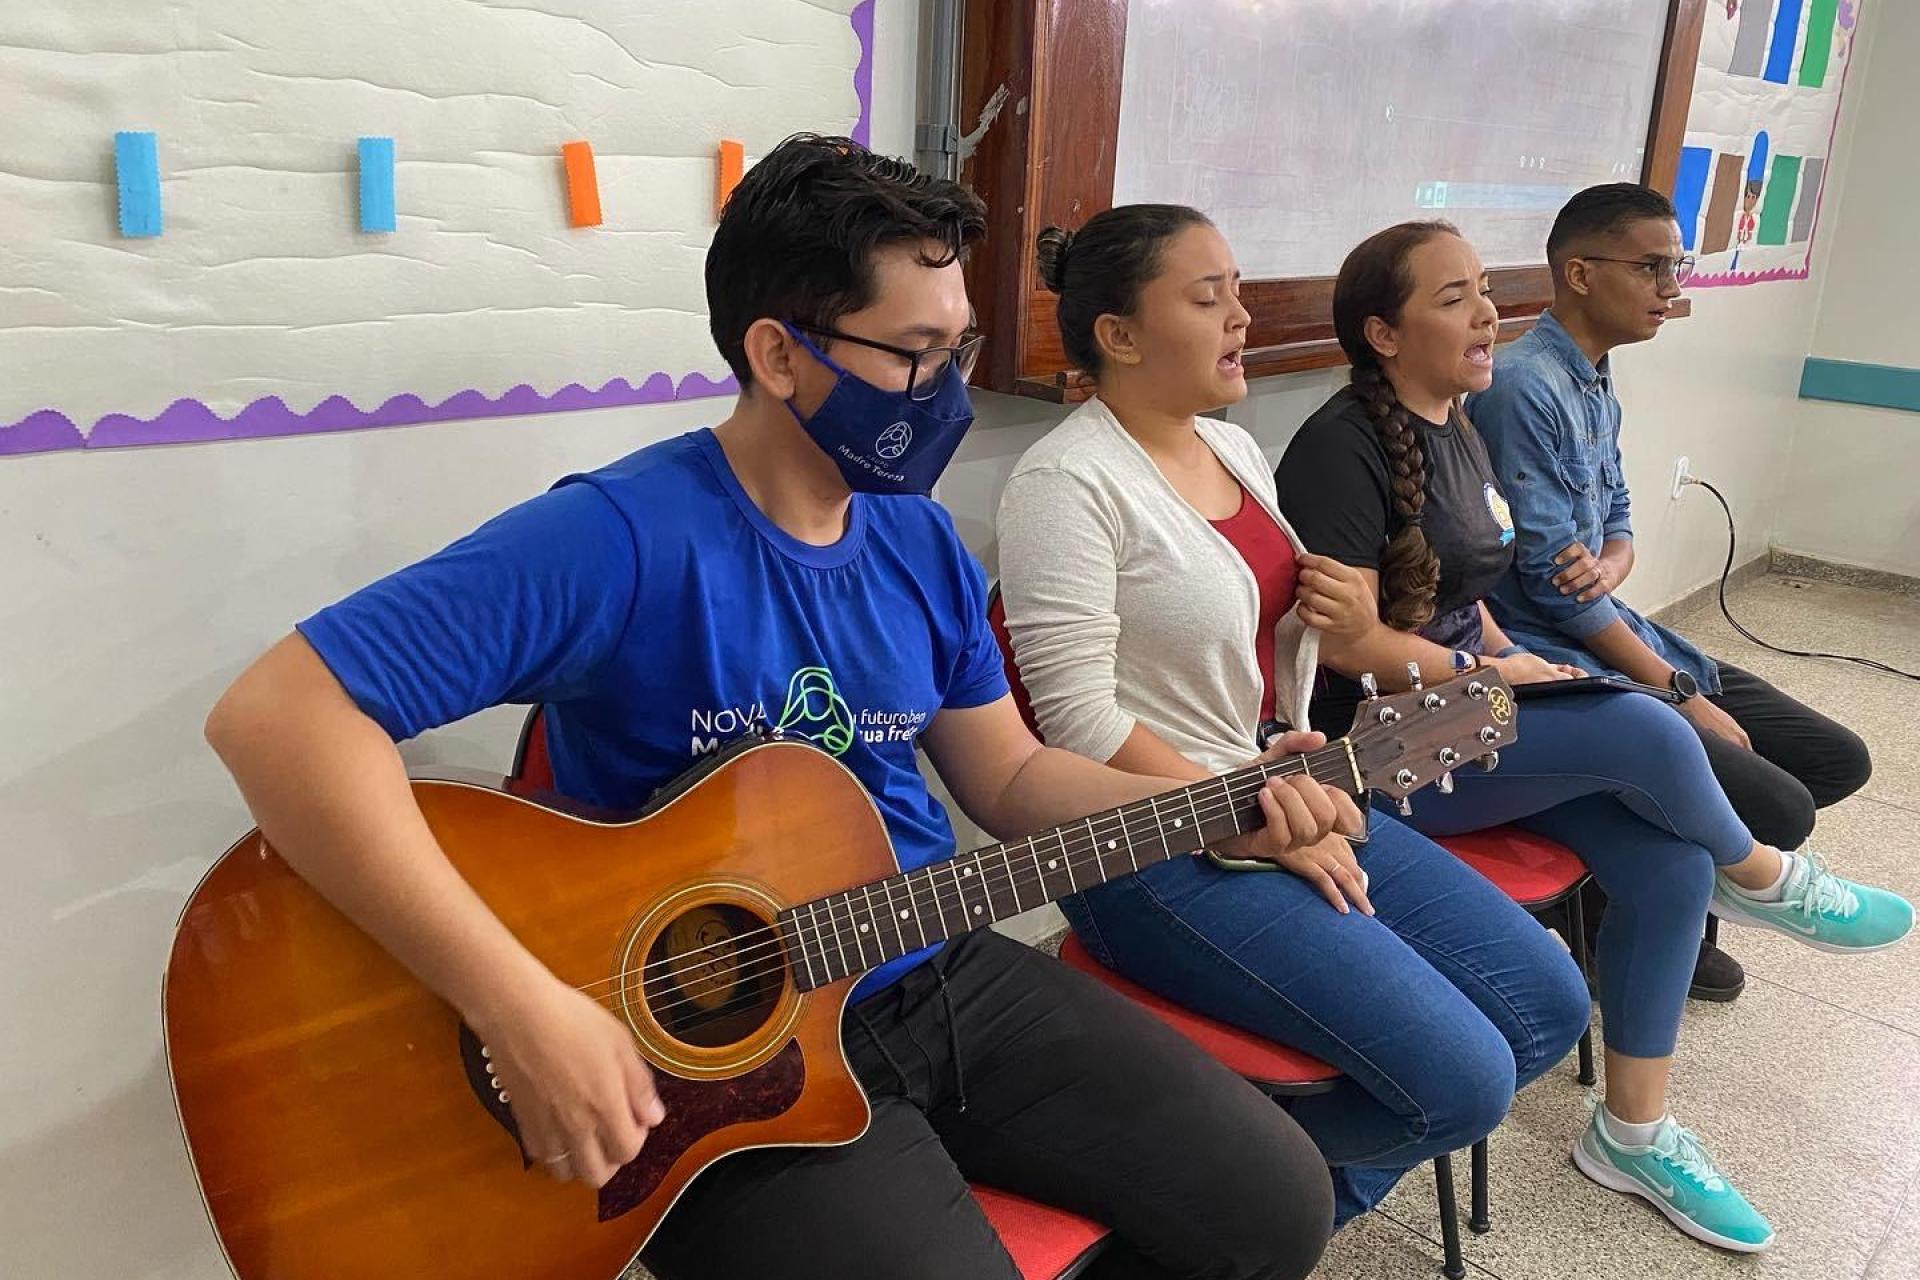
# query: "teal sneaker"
x,y
1676,1176
1821,909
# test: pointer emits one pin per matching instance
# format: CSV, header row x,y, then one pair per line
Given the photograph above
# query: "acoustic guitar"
x,y
344,1124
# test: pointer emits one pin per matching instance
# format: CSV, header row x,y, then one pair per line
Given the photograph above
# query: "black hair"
x,y
1100,269
797,237
1602,211
1376,280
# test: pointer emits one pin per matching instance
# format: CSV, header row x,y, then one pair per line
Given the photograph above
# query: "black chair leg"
x,y
1577,926
1478,1220
1455,1266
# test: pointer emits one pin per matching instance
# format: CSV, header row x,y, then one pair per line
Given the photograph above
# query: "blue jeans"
x,y
1434,1010
1623,781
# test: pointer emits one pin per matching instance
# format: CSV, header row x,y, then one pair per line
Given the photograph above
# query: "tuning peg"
x,y
1405,806
1413,675
1444,784
1449,757
1369,685
1476,690
1490,761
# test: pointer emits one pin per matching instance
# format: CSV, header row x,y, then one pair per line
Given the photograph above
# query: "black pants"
x,y
995,1063
1801,761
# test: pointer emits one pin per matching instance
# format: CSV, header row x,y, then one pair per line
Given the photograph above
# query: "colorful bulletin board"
x,y
246,218
1760,132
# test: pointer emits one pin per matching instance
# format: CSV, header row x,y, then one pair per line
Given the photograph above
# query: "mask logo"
x,y
894,441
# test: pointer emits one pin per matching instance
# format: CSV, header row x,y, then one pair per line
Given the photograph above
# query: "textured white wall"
x,y
262,283
1854,490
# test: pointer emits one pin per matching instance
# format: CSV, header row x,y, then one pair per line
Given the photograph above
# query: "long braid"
x,y
1409,569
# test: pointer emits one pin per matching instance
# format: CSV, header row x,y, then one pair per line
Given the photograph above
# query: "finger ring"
x,y
559,1159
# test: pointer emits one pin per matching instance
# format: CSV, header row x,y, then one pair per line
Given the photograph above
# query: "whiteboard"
x,y
1301,126
263,308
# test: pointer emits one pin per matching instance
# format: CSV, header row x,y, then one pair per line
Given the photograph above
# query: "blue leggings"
x,y
1622,780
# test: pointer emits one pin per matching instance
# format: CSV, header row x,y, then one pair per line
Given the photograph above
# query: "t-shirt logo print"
x,y
1501,512
816,711
894,441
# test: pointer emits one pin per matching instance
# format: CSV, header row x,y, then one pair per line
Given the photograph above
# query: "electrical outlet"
x,y
1680,477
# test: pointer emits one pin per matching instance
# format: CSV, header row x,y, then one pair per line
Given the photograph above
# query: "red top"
x,y
1262,544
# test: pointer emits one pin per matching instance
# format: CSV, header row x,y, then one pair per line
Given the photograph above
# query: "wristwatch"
x,y
1684,685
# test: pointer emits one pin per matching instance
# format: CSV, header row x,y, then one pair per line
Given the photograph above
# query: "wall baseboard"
x,y
1792,564
1758,567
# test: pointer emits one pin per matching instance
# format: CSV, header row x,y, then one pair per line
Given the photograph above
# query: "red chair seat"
x,y
1532,870
1245,1054
1043,1240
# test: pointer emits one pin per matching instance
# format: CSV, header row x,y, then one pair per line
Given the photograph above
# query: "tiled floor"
x,y
1807,1088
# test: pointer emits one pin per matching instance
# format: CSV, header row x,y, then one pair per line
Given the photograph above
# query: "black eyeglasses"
x,y
925,367
1660,270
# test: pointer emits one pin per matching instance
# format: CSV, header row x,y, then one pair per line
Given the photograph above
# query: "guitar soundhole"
x,y
714,975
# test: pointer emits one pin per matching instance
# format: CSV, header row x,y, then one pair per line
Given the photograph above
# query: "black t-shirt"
x,y
1335,489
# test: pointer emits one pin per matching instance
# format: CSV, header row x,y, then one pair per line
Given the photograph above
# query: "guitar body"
x,y
341,1120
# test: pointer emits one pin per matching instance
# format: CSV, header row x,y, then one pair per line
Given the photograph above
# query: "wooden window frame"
x,y
1048,159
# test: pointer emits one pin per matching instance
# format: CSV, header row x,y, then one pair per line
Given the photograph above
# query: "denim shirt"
x,y
1552,426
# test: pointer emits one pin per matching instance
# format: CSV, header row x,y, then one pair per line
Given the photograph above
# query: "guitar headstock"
x,y
1404,741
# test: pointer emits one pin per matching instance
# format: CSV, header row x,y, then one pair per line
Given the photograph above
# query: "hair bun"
x,y
1050,252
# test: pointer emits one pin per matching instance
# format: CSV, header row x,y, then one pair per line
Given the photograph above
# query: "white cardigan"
x,y
1126,606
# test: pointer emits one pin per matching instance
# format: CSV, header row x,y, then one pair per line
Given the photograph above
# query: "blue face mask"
x,y
885,441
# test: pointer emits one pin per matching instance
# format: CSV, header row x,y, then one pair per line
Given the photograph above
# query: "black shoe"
x,y
1717,976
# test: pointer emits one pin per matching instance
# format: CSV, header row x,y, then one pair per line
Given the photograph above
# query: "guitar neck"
x,y
847,933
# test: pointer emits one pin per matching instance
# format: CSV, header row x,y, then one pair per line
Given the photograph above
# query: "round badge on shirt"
x,y
1502,514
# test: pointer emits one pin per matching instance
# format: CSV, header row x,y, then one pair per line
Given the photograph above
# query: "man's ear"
x,y
771,355
1577,275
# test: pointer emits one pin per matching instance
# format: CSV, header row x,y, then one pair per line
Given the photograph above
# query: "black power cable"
x,y
1870,663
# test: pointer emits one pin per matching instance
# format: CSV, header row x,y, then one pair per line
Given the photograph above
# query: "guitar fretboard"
x,y
847,933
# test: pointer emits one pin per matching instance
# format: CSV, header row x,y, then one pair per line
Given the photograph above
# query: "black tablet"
x,y
1590,684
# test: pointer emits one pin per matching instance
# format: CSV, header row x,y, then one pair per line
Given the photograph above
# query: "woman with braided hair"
x,y
1160,612
1390,478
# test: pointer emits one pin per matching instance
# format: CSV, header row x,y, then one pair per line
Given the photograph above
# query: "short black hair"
x,y
1604,210
797,237
1100,269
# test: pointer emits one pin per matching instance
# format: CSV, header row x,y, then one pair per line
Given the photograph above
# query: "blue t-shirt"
x,y
657,613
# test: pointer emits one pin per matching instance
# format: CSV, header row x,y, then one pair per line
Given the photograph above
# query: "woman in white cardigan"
x,y
1161,610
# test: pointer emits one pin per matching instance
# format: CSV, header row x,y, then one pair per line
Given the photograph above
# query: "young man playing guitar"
x,y
784,571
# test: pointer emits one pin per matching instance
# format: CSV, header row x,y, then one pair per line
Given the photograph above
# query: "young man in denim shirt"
x,y
1552,427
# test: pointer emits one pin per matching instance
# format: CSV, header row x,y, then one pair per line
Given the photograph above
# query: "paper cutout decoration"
x,y
583,187
732,162
136,167
376,186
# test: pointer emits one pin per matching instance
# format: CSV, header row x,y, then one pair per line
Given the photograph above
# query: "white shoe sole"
x,y
1732,914
1614,1180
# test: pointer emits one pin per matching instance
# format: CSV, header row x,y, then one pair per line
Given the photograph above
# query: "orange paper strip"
x,y
583,188
732,162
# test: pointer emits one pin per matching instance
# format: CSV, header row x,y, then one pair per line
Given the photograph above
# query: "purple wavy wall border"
x,y
193,422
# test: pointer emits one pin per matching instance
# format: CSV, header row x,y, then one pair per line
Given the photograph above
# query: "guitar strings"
x,y
762,959
1215,809
768,958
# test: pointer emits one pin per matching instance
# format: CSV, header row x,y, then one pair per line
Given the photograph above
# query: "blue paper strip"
x,y
1786,34
376,185
1689,189
136,166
